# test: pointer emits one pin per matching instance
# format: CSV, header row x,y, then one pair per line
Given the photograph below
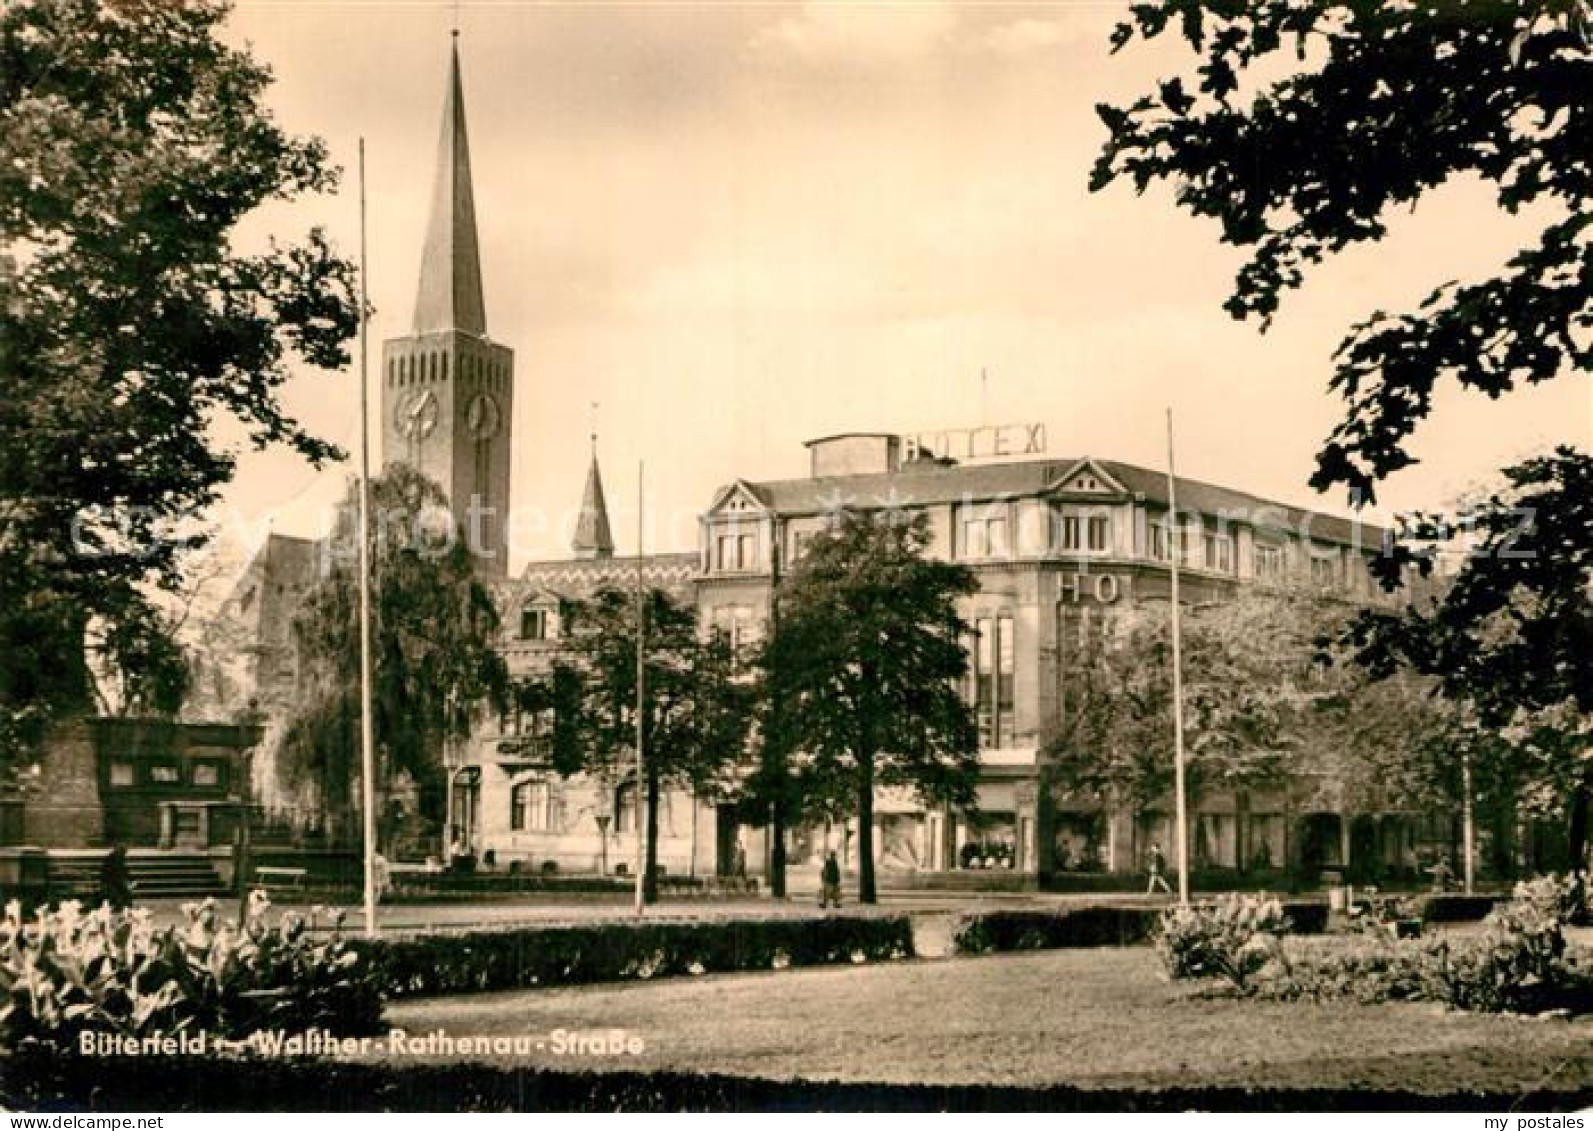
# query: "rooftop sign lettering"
x,y
990,441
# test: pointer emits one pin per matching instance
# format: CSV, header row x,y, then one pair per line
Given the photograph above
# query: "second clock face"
x,y
483,416
416,414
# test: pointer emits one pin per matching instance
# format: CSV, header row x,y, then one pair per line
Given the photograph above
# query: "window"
x,y
1070,532
530,806
625,808
1219,552
206,773
1157,548
122,774
1098,530
735,552
1324,571
984,535
164,773
533,624
992,685
1269,562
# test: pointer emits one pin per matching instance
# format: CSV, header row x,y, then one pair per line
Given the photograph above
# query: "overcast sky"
x,y
737,227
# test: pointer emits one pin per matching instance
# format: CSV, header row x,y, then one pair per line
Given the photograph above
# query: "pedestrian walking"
x,y
830,882
1156,865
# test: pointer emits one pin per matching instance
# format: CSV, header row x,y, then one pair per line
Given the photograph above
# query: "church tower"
x,y
448,403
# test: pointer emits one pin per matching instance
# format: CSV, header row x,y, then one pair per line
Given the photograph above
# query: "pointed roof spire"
x,y
450,295
592,536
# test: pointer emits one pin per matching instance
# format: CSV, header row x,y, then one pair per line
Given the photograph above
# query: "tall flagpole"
x,y
641,699
367,739
1175,547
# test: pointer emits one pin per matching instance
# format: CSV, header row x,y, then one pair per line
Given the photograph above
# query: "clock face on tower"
x,y
483,416
416,414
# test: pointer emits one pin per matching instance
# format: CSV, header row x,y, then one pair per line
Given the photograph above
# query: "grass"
x,y
1090,1018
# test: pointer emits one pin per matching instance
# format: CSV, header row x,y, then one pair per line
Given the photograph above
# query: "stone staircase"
x,y
154,874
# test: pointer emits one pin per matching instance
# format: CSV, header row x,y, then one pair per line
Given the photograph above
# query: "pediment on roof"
x,y
737,499
1086,477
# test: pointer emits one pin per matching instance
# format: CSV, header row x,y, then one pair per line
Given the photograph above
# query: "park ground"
x,y
1096,1018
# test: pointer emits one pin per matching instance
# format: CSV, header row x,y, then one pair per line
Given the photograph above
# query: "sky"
x,y
735,227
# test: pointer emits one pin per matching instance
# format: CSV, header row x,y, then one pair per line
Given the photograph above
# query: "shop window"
x,y
164,773
122,774
206,774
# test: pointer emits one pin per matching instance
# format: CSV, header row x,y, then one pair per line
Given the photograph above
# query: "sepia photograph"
x,y
809,556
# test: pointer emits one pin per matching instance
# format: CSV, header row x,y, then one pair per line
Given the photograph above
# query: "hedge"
x,y
34,1082
984,932
1446,908
522,958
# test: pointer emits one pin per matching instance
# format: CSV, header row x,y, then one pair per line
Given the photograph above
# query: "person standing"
x,y
1156,865
830,882
116,884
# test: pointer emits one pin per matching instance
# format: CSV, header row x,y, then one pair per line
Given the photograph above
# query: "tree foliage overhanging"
x,y
1378,105
135,142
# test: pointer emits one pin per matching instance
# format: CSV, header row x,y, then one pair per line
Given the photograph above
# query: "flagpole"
x,y
1174,546
367,739
641,675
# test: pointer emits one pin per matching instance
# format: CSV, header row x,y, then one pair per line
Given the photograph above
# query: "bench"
x,y
272,877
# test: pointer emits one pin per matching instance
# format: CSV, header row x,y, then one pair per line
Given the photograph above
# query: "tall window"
x,y
625,808
533,624
1098,529
1070,532
993,691
1219,552
984,534
1157,534
735,552
1269,562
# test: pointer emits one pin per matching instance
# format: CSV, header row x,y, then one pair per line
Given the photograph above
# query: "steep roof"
x,y
916,485
592,535
450,295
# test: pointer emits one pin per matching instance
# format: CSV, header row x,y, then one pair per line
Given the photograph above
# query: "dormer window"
x,y
537,622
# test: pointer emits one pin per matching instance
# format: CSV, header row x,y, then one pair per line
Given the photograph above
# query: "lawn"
x,y
1090,1018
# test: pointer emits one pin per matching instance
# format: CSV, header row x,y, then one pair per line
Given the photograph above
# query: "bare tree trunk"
x,y
650,865
865,829
1576,833
777,853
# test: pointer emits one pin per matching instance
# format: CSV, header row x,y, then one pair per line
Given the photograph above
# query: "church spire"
x,y
592,537
450,295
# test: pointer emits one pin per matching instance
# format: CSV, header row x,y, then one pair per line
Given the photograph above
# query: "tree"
x,y
135,141
865,659
695,710
434,627
1385,102
1510,634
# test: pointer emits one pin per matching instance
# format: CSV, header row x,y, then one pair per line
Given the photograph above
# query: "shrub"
x,y
480,961
1233,938
65,972
1449,908
1518,963
986,932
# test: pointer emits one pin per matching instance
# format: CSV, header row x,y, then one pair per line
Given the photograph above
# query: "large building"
x,y
1061,547
1059,544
